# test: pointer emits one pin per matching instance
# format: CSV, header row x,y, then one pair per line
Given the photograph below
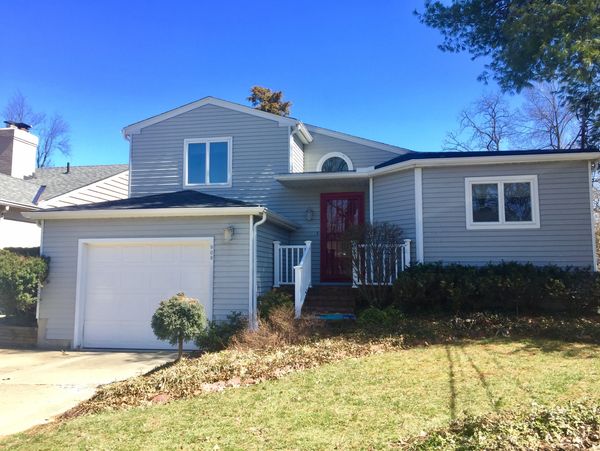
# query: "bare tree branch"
x,y
486,125
53,131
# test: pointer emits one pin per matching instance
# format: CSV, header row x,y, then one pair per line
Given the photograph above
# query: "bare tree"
x,y
486,125
18,109
545,121
53,131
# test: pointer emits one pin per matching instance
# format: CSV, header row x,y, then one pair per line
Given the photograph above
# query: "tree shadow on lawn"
x,y
566,348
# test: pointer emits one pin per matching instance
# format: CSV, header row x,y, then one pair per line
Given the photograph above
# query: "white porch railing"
x,y
303,279
293,266
286,258
380,266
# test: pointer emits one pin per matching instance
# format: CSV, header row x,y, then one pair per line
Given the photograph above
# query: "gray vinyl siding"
x,y
260,149
564,237
265,235
394,201
231,260
361,155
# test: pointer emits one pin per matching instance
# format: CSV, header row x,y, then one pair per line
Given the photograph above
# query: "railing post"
x,y
309,261
406,254
276,264
355,264
298,291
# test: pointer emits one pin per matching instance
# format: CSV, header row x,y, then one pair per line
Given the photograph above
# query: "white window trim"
x,y
329,155
502,223
207,141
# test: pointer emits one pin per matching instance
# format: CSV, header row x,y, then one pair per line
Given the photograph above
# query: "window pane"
x,y
196,163
485,202
334,164
218,162
517,201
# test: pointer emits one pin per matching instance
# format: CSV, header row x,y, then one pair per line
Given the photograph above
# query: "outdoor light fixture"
x,y
309,214
228,233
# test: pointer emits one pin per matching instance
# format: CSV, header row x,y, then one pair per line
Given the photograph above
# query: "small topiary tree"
x,y
179,319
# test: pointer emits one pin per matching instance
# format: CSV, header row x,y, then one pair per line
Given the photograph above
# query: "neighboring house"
x,y
24,188
226,200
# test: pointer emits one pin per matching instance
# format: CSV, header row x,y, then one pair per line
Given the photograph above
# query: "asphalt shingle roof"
x,y
179,199
442,155
58,181
17,191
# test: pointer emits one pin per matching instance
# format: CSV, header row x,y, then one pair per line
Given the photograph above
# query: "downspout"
x,y
39,290
253,310
371,200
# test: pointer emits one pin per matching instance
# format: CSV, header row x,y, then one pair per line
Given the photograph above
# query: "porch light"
x,y
308,214
228,233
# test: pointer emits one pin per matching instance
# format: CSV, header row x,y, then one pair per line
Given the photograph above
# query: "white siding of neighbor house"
x,y
565,235
18,233
265,235
361,155
394,201
111,188
297,156
231,260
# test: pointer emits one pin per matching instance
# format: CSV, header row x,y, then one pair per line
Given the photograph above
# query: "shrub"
x,y
374,320
279,329
20,279
179,319
505,287
272,300
218,334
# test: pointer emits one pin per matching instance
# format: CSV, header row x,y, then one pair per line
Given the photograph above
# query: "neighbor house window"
x,y
502,202
207,162
334,162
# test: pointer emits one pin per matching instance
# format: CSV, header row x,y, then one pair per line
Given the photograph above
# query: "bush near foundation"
x,y
506,287
20,279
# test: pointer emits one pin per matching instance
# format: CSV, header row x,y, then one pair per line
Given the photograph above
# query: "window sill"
x,y
497,226
207,185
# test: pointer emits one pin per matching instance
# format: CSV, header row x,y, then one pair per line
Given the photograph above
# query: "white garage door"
x,y
125,281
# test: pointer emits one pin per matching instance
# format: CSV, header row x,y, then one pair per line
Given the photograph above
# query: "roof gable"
x,y
138,126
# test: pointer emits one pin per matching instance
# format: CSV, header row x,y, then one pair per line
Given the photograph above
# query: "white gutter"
x,y
252,308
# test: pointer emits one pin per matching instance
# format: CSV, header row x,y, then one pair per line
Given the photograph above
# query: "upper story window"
x,y
207,162
334,162
509,202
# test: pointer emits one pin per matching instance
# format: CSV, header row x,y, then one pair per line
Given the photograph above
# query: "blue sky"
x,y
367,68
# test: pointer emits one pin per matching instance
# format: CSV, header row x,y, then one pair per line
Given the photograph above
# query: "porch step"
x,y
329,299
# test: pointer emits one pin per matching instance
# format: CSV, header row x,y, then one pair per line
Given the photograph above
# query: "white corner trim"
x,y
137,127
329,155
250,272
419,215
357,140
593,219
502,223
208,141
82,254
371,206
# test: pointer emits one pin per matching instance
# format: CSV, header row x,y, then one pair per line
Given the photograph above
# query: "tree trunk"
x,y
180,348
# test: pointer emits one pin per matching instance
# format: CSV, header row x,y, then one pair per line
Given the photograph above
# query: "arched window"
x,y
334,162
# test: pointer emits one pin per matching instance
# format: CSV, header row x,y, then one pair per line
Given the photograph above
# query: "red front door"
x,y
339,212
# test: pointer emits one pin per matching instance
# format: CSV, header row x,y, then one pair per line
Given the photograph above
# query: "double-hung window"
x,y
509,202
207,162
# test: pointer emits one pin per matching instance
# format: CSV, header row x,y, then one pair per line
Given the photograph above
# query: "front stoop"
x,y
323,299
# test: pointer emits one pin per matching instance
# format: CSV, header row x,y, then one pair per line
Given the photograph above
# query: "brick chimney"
x,y
18,150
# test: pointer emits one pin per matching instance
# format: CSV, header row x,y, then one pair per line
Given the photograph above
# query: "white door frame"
x,y
82,254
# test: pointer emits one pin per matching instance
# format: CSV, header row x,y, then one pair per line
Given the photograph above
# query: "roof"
x,y
178,199
136,127
357,139
503,153
58,181
17,191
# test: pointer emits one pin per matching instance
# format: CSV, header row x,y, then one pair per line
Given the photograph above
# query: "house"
x,y
24,188
227,201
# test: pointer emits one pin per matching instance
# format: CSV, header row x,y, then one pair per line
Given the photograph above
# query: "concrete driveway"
x,y
37,385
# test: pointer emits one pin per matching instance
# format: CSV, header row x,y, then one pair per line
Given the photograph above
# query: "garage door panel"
x,y
125,283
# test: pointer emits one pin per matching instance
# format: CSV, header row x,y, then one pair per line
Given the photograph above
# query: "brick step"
x,y
330,299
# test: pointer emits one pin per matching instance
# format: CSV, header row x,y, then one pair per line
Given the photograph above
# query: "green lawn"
x,y
369,402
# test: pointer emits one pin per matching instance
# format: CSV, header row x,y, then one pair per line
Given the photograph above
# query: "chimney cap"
x,y
19,125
